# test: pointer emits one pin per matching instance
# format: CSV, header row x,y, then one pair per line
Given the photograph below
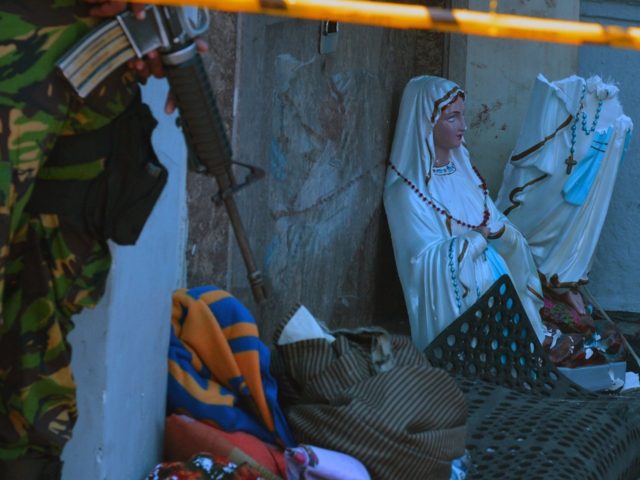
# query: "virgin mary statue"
x,y
450,241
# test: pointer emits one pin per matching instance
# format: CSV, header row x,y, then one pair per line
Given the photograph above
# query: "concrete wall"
x,y
321,127
615,276
120,348
498,74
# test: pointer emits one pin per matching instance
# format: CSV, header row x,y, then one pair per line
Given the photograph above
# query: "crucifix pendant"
x,y
570,163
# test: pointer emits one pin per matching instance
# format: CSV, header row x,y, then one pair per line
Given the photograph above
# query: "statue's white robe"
x,y
561,215
427,248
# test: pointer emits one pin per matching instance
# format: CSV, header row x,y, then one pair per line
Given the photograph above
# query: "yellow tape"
x,y
396,15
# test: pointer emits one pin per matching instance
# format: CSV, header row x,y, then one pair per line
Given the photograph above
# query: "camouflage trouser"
x,y
50,268
54,268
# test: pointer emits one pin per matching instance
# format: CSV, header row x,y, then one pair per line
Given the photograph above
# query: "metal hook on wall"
x,y
328,36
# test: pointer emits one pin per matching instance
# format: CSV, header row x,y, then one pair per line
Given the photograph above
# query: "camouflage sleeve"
x,y
36,104
33,36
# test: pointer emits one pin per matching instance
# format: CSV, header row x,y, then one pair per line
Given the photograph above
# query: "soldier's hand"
x,y
151,64
147,66
111,8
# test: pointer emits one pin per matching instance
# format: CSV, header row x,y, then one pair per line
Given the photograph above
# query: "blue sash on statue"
x,y
579,183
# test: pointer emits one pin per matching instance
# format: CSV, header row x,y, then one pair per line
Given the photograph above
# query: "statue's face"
x,y
449,130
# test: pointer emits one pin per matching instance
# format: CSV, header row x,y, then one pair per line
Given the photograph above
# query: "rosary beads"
x,y
486,215
570,161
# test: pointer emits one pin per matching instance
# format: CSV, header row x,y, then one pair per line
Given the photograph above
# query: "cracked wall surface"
x,y
320,125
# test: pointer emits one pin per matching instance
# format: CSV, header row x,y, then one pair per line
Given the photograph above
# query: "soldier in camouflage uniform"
x,y
50,266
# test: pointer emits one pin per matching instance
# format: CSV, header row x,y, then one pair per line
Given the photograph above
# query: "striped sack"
x,y
407,421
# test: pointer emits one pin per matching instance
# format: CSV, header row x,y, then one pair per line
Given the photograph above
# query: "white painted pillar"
x,y
120,348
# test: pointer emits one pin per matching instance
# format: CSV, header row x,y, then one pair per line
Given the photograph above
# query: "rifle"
x,y
171,31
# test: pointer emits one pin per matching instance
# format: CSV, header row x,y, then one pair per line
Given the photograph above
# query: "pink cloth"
x,y
307,462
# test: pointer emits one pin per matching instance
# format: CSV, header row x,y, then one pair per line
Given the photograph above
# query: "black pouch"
x,y
107,180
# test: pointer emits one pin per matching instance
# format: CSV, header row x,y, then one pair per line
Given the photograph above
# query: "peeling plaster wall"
x,y
615,276
498,75
120,349
321,127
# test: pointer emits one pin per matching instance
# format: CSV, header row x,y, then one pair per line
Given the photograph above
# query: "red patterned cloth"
x,y
202,467
184,437
579,340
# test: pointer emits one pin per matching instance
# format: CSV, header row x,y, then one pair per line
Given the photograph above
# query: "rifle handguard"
x,y
199,114
206,136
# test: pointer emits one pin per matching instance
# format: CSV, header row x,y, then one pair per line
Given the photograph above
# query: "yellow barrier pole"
x,y
397,15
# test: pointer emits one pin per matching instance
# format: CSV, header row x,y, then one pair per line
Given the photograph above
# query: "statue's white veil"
x,y
413,149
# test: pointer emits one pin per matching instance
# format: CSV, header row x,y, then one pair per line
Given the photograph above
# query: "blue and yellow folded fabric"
x,y
219,368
